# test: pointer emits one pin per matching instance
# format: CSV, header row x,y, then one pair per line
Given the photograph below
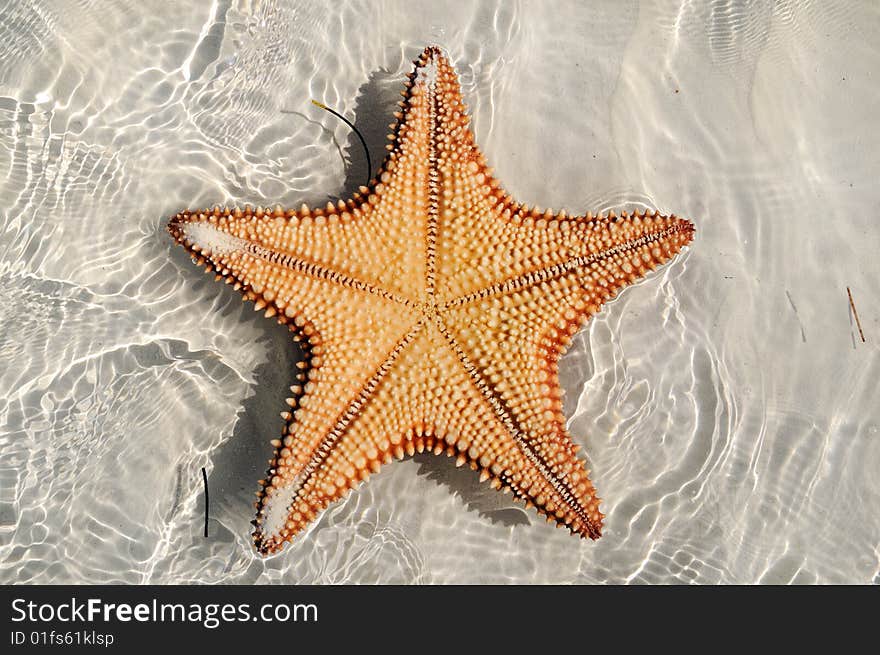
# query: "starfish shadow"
x,y
375,105
476,495
235,471
243,458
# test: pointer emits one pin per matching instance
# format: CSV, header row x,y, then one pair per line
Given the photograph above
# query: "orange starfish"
x,y
433,310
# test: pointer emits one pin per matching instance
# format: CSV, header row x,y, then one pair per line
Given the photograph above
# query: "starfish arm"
x,y
318,460
606,253
338,242
403,409
541,468
430,137
511,244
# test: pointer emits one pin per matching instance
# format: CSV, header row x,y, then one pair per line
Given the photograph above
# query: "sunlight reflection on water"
x,y
727,405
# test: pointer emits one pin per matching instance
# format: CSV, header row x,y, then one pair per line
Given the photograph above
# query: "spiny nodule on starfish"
x,y
433,310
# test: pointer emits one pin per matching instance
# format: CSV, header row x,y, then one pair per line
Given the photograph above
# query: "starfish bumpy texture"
x,y
433,310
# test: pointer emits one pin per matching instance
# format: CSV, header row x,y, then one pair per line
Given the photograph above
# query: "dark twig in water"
x,y
855,314
356,131
205,480
794,309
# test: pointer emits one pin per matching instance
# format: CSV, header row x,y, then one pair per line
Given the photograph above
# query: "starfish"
x,y
433,310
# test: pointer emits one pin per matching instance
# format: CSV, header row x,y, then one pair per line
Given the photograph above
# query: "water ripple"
x,y
726,406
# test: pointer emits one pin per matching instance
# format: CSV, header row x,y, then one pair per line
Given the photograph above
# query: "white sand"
x,y
727,405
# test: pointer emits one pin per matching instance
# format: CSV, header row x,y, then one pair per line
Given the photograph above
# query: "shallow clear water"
x,y
728,405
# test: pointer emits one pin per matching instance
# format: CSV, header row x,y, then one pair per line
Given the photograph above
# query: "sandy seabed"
x,y
727,405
